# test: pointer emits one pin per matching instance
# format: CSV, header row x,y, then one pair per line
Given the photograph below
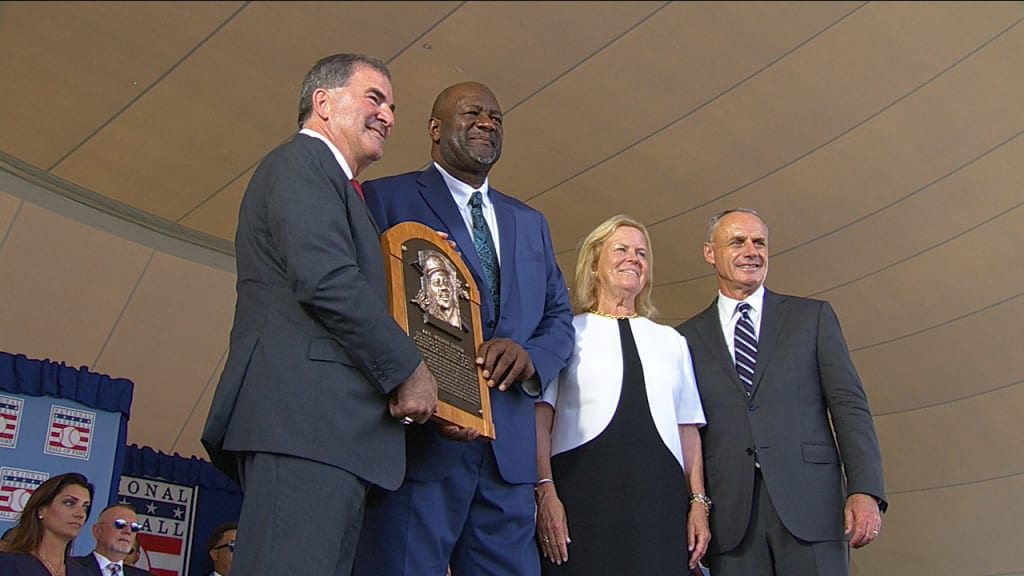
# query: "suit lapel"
x,y
710,330
772,318
357,207
438,198
506,232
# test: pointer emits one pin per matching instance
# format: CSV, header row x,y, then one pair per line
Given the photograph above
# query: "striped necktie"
x,y
745,347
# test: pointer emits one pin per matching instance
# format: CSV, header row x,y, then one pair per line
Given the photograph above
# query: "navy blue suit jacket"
x,y
535,312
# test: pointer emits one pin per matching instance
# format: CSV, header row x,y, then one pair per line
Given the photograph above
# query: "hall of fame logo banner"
x,y
167,514
70,432
16,486
10,420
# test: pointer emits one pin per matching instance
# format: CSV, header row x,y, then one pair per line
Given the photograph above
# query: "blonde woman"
x,y
621,487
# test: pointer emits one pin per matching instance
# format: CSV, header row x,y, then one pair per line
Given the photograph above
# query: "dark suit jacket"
x,y
314,350
803,377
92,566
15,564
535,312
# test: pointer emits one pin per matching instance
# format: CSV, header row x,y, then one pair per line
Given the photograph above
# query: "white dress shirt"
x,y
728,316
461,193
334,150
104,562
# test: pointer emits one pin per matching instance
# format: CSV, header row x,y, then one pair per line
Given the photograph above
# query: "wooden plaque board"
x,y
432,295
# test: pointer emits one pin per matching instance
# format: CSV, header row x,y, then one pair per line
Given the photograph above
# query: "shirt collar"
x,y
103,561
334,149
727,306
462,191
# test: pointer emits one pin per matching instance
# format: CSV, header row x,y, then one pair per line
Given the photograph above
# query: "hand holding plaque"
x,y
433,297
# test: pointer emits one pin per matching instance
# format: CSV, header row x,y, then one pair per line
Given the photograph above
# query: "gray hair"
x,y
333,72
717,217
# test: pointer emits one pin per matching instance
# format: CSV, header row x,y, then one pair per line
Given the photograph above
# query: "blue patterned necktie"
x,y
745,347
484,244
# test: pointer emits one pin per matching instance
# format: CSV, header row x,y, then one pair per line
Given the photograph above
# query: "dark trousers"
x,y
298,517
768,549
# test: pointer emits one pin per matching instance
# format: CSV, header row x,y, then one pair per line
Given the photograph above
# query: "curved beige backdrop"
x,y
881,141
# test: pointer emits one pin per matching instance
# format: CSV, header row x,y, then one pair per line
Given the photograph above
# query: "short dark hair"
x,y
333,72
218,533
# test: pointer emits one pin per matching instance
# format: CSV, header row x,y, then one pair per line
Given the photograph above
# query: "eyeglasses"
x,y
229,546
121,524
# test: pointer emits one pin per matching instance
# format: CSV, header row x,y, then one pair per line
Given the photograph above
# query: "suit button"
x,y
751,408
750,451
490,323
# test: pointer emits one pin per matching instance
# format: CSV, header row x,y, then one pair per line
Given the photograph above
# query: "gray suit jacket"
x,y
314,351
804,377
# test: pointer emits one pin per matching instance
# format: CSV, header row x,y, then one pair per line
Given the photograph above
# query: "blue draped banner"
x,y
56,419
213,497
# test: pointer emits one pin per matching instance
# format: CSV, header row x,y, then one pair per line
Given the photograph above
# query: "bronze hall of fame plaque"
x,y
433,296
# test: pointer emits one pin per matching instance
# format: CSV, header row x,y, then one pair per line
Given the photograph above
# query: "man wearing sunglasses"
x,y
222,548
114,532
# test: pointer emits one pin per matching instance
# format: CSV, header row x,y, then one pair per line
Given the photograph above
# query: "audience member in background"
x,y
221,547
794,464
52,518
114,531
621,487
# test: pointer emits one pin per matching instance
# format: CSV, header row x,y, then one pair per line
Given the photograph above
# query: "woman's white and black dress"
x,y
616,455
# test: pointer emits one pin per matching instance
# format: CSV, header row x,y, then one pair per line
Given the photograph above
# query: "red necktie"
x,y
359,189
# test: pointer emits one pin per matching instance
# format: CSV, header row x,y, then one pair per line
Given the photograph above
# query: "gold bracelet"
x,y
703,499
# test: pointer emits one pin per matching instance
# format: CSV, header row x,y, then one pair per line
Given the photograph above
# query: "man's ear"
x,y
434,129
321,103
709,254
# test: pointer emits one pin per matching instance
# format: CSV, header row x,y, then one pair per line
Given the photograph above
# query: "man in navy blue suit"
x,y
467,503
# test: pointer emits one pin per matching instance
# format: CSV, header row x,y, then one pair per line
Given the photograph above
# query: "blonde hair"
x,y
584,296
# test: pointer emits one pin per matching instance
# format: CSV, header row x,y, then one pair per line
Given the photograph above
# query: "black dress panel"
x,y
624,492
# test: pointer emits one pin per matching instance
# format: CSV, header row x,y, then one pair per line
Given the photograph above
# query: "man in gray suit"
x,y
791,458
319,378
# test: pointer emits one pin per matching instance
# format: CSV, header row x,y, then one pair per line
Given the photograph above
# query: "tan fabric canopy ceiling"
x,y
881,141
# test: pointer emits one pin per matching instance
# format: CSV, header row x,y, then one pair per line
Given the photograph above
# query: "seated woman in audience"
x,y
621,487
54,515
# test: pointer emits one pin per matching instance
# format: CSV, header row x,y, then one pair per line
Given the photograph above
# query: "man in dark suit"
x,y
114,532
468,503
790,453
319,376
221,548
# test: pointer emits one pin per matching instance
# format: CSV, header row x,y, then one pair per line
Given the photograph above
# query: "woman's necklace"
x,y
50,567
612,316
